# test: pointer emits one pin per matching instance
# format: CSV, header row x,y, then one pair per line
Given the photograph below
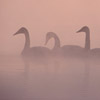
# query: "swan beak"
x,y
14,34
78,31
81,30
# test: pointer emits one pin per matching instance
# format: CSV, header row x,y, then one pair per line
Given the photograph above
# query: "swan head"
x,y
21,31
84,29
49,36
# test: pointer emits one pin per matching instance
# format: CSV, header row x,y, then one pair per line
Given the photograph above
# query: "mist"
x,y
60,16
47,50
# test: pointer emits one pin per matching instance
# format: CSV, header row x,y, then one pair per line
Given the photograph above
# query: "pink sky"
x,y
63,17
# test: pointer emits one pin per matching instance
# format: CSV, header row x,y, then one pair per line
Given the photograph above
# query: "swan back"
x,y
72,50
95,53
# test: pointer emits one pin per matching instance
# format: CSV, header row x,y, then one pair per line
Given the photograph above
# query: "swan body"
x,y
95,53
66,50
72,50
32,52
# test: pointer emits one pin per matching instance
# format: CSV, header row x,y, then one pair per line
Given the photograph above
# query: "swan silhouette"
x,y
87,39
66,50
34,52
91,52
56,49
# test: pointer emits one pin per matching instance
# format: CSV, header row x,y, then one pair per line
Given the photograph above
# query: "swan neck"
x,y
57,42
27,41
87,40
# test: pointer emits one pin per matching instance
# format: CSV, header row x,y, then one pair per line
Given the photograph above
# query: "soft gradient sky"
x,y
63,17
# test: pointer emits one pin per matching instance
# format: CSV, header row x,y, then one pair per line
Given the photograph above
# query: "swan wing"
x,y
95,51
72,50
39,51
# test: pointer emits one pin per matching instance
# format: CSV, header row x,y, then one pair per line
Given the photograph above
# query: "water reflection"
x,y
85,87
57,79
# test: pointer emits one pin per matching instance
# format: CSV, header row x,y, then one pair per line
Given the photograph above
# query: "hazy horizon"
x,y
68,73
39,17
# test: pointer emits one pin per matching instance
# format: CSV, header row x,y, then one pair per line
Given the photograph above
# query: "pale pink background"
x,y
64,17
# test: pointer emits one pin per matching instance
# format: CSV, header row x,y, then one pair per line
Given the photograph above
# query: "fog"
x,y
39,17
46,73
57,79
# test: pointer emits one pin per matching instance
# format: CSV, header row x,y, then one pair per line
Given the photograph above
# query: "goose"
x,y
32,52
66,50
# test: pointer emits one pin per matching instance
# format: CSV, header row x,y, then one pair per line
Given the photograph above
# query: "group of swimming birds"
x,y
58,50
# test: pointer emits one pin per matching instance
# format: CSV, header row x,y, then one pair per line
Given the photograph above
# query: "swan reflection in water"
x,y
41,54
64,51
37,54
86,80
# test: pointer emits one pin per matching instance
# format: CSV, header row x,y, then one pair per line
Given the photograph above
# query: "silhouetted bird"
x,y
87,39
32,52
66,50
92,52
56,49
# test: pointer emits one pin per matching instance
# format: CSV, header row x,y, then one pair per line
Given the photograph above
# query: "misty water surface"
x,y
56,79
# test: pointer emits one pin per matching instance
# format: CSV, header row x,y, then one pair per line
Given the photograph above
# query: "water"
x,y
57,79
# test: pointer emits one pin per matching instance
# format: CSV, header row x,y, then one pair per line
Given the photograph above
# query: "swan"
x,y
87,39
86,49
78,50
56,49
32,52
92,52
66,50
